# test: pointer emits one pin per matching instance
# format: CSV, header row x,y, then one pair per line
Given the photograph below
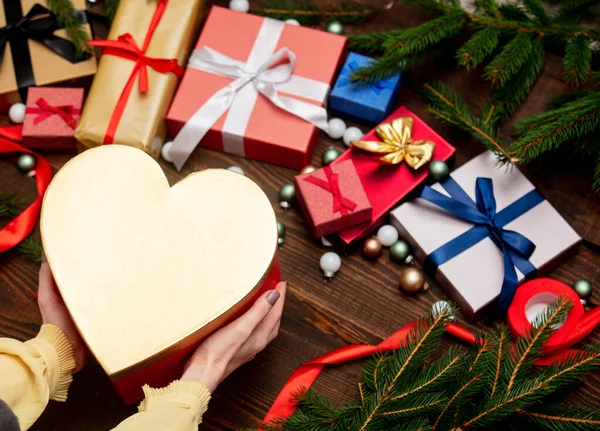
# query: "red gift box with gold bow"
x,y
51,117
333,198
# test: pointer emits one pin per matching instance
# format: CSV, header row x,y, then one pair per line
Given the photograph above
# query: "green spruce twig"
x,y
31,250
306,12
110,8
10,205
66,14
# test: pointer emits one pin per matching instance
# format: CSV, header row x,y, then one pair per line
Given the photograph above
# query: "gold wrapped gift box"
x,y
142,124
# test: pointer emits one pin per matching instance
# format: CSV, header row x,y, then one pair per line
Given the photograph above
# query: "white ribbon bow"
x,y
268,72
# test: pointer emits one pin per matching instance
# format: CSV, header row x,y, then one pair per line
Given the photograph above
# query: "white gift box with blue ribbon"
x,y
482,232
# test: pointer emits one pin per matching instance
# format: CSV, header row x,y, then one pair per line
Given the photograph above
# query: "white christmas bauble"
x,y
337,128
440,306
330,264
352,134
326,242
239,5
165,151
292,21
16,113
236,169
387,235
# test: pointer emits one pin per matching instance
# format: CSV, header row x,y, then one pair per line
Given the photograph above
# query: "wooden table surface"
x,y
361,305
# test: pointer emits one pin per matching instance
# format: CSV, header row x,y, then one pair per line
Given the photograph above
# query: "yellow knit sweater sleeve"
x,y
178,407
34,372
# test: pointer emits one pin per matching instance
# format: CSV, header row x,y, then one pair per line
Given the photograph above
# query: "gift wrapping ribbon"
x,y
377,87
127,48
269,72
21,226
45,110
516,248
341,204
554,350
38,24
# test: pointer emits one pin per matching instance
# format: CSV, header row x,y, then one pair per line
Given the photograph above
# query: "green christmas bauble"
x,y
330,155
286,195
438,170
335,27
583,288
280,232
400,251
26,163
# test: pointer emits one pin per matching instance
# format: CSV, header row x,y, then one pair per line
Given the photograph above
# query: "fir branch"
x,y
537,9
578,61
564,418
488,7
10,205
510,60
449,108
372,43
31,250
513,92
550,130
306,12
110,8
66,15
472,53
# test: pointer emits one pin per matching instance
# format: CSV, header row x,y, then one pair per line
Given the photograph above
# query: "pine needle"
x,y
10,205
31,250
66,14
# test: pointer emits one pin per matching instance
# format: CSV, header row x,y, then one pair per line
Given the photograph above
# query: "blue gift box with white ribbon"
x,y
483,231
365,102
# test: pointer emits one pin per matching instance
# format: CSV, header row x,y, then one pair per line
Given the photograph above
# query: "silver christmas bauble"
x,y
16,113
387,234
26,163
352,134
236,169
330,264
280,232
336,128
438,170
330,155
286,195
239,5
165,152
583,288
335,27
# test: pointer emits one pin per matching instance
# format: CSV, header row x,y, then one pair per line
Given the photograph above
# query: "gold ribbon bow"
x,y
398,145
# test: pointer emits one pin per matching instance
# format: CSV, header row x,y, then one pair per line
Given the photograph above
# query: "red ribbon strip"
x,y
340,203
46,110
22,225
126,47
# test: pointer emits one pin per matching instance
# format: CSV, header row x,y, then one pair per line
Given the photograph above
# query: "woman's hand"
x,y
54,311
239,342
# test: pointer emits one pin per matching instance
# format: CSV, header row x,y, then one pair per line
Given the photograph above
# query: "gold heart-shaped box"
x,y
147,270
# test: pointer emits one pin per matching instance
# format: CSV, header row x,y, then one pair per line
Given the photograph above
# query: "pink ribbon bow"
x,y
340,203
46,110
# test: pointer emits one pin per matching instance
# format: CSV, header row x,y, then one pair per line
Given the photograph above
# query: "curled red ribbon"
x,y
340,203
46,110
126,47
22,225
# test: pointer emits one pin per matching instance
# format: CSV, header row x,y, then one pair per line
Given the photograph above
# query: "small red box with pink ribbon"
x,y
51,116
333,198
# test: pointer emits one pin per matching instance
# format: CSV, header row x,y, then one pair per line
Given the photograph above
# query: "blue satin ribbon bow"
x,y
516,248
376,87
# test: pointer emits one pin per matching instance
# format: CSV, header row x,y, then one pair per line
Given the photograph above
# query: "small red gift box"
x,y
333,198
386,185
240,86
51,117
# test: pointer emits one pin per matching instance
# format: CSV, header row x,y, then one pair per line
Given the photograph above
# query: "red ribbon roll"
x,y
22,225
332,185
126,47
546,291
45,110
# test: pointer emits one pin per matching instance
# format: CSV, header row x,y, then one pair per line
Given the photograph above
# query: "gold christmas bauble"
x,y
412,280
308,169
372,248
